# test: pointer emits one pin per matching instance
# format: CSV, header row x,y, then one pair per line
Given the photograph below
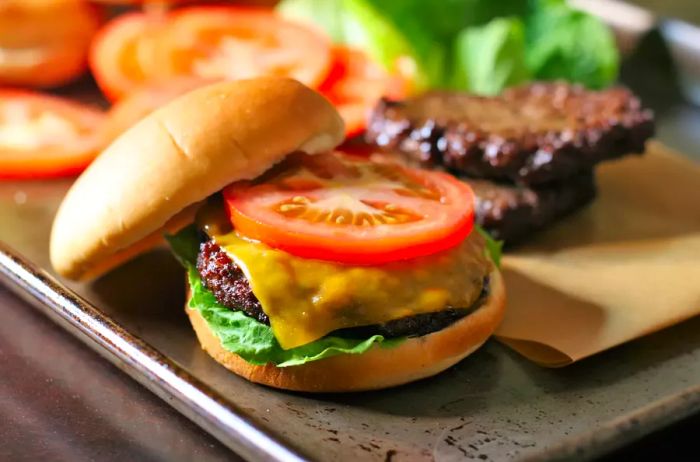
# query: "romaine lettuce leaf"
x,y
444,19
252,340
472,45
493,247
491,57
358,23
563,43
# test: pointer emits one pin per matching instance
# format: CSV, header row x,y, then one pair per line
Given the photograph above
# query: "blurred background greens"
x,y
481,46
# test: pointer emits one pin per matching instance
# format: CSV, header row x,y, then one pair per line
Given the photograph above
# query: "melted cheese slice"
x,y
307,299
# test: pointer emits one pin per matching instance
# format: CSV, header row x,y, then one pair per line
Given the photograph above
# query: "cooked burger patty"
x,y
416,325
229,285
536,133
227,281
511,212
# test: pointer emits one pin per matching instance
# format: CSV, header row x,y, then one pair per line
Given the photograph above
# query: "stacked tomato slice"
x,y
352,209
211,43
143,59
355,83
44,43
43,136
215,43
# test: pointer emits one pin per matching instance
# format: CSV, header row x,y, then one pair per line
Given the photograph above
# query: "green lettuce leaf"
x,y
360,24
444,19
252,340
563,43
481,46
324,14
491,57
432,30
493,247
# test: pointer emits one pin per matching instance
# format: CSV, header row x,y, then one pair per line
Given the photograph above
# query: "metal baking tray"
x,y
494,405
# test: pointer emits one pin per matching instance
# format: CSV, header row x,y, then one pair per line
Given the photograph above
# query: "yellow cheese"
x,y
306,299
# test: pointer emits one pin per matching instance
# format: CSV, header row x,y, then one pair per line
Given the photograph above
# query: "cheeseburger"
x,y
309,268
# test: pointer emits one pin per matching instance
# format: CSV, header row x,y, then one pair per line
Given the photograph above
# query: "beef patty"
x,y
511,212
531,134
229,285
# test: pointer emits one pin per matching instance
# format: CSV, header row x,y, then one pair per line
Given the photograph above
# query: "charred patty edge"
x,y
510,213
531,157
232,290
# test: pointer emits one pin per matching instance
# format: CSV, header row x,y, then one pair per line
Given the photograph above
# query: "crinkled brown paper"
x,y
626,266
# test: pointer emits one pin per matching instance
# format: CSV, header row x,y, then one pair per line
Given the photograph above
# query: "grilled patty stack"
x,y
529,154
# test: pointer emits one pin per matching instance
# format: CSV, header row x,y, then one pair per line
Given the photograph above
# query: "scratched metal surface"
x,y
492,406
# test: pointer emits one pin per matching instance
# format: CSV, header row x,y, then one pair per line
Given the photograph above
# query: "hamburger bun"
x,y
150,178
411,360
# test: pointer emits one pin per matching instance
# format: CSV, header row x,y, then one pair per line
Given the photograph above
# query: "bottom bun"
x,y
413,359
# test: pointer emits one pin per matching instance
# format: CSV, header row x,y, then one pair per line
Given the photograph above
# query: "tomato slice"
x,y
144,2
124,52
355,83
208,42
45,136
44,43
348,209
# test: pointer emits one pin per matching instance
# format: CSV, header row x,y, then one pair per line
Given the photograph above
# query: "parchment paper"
x,y
626,266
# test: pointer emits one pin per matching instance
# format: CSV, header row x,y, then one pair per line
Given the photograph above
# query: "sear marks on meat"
x,y
511,212
531,134
229,285
227,281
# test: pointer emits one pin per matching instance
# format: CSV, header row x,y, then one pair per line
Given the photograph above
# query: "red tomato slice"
x,y
144,2
124,52
45,42
207,42
45,136
348,209
355,83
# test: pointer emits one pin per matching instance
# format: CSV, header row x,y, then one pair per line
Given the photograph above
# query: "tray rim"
x,y
226,421
197,401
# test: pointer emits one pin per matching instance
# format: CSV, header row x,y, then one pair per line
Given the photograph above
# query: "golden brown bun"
x,y
414,359
179,155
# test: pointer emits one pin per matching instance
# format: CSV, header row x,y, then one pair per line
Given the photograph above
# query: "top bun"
x,y
179,155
